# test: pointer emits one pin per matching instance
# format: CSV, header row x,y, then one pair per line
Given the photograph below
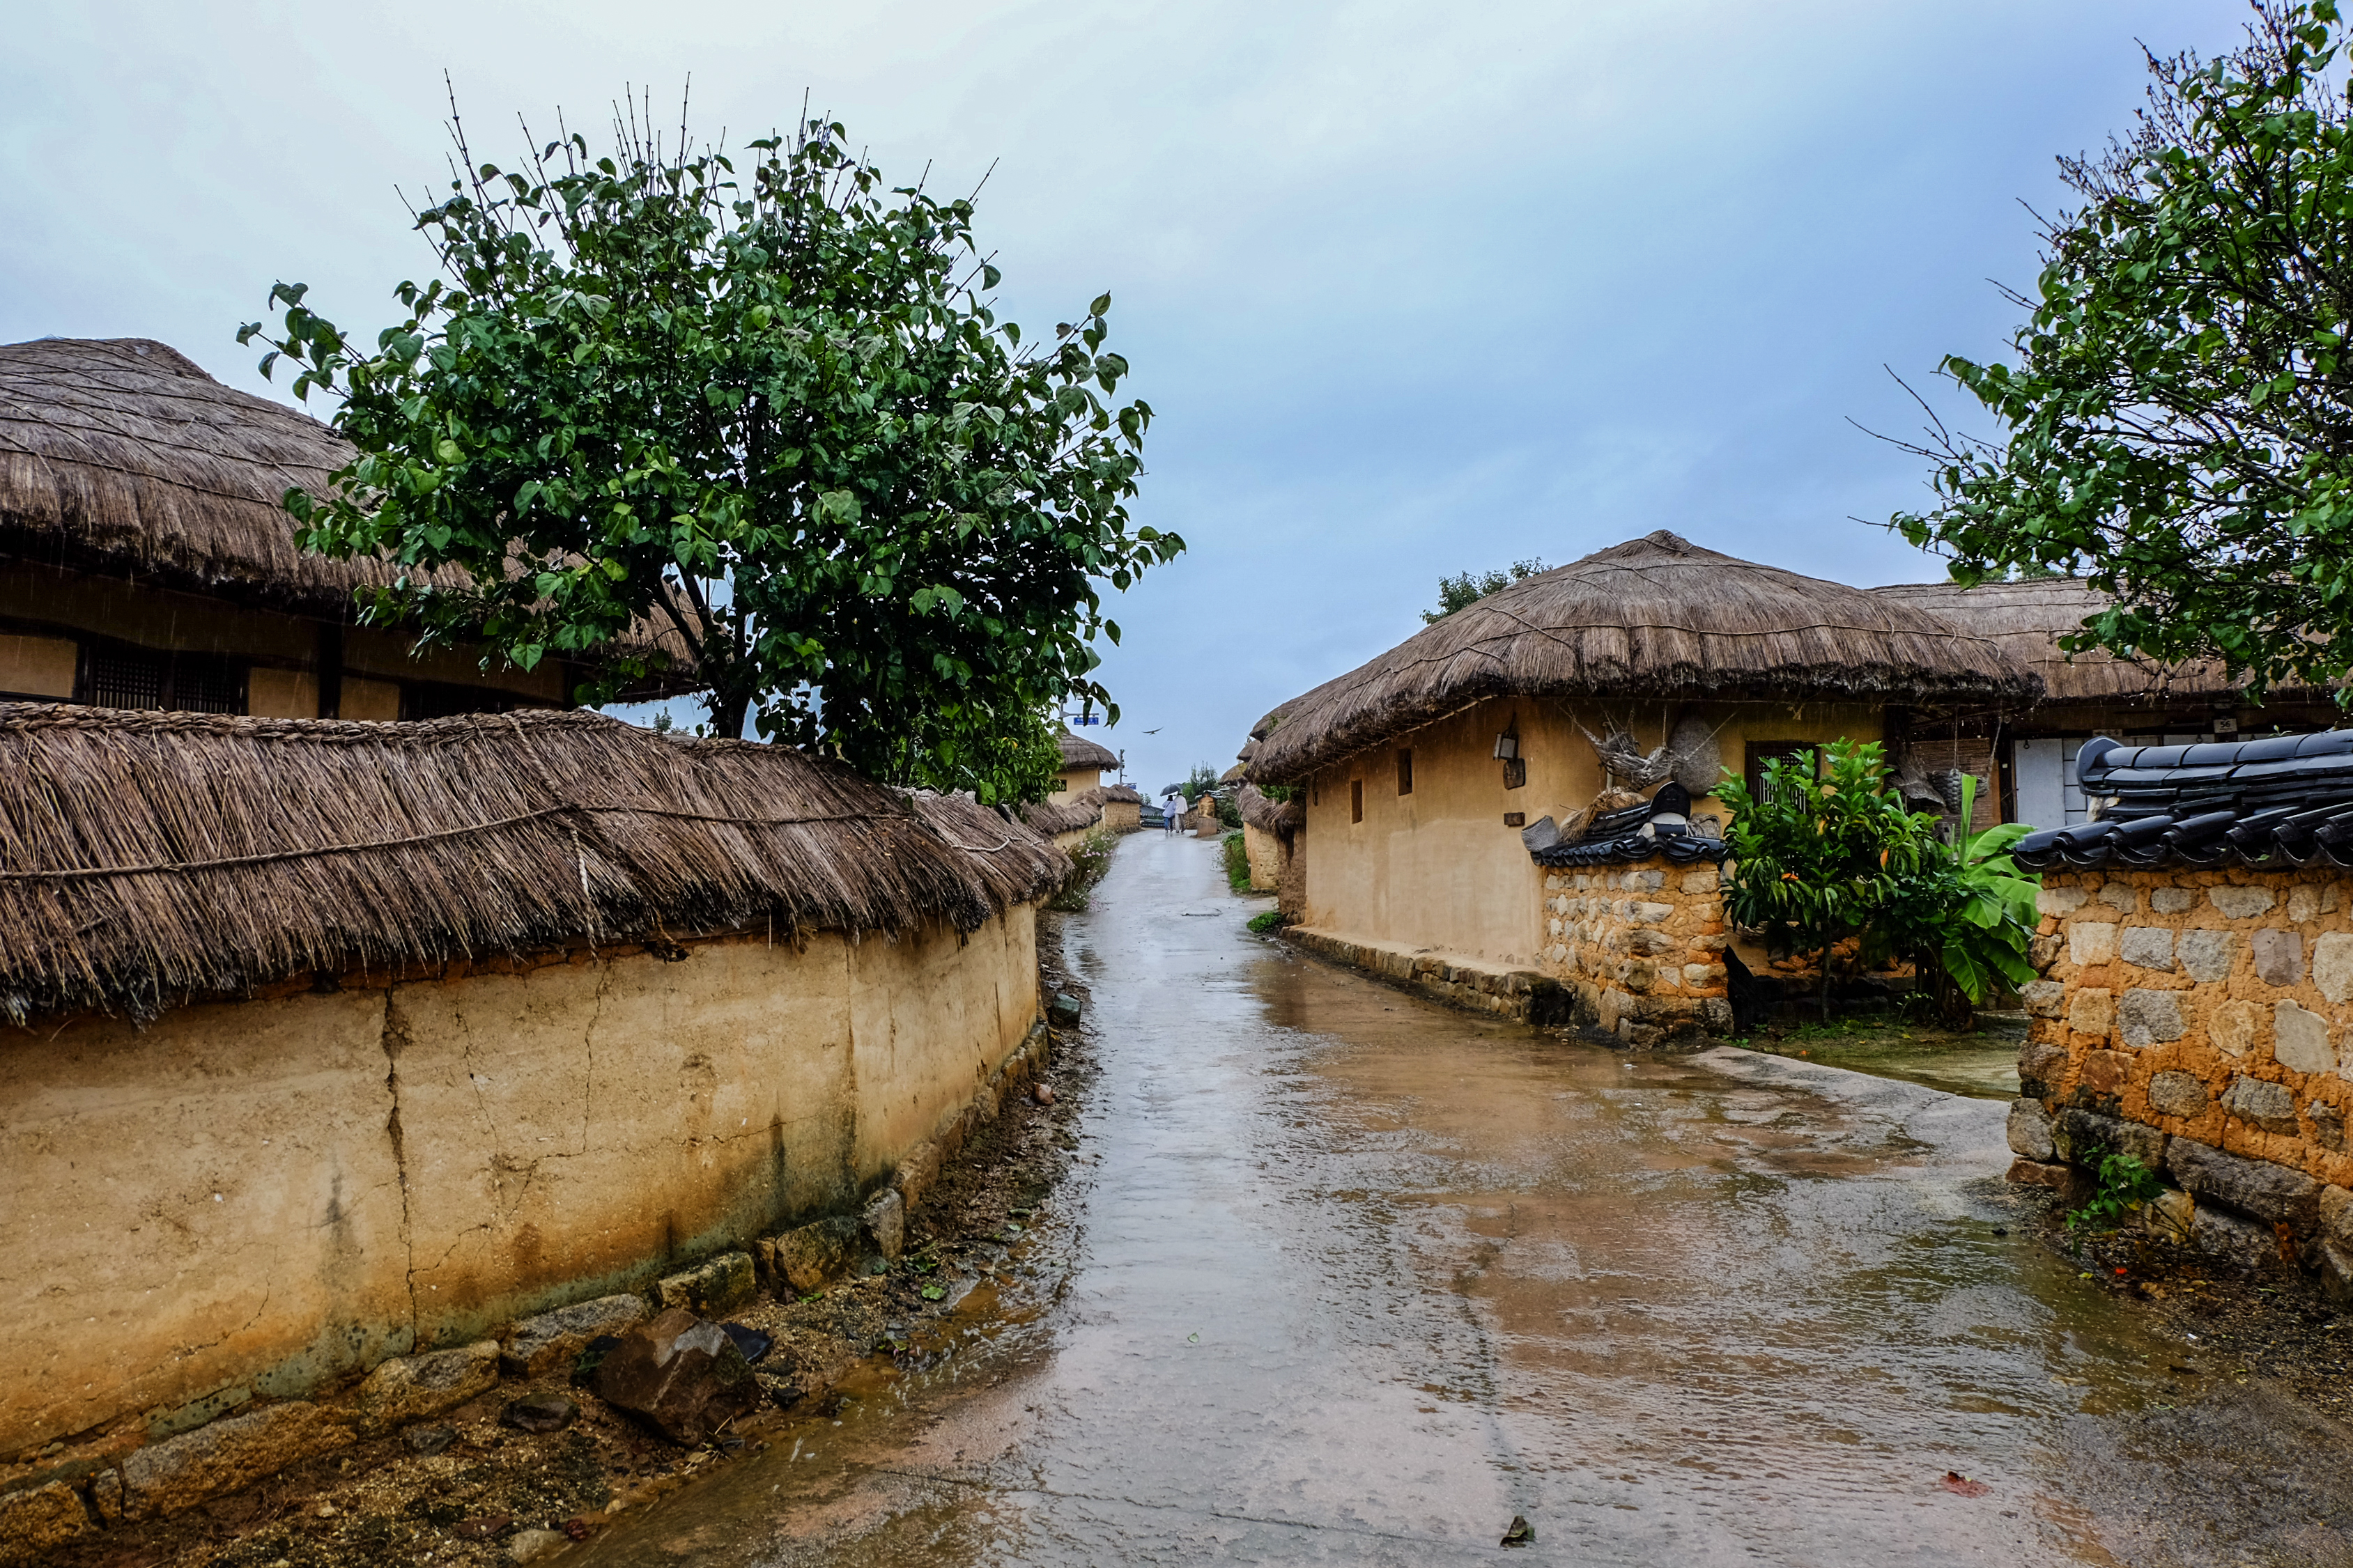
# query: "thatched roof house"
x,y
1442,779
1655,619
2029,618
146,858
1079,752
147,559
1083,762
122,456
2029,756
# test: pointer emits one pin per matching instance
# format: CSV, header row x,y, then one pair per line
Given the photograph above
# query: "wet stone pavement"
x,y
1342,1276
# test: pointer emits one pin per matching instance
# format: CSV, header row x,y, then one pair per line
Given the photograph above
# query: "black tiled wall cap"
x,y
2283,801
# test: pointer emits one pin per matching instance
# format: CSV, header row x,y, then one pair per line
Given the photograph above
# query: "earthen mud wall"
x,y
259,1198
1267,857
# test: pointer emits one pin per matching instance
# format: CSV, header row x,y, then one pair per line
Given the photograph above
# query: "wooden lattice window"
x,y
115,676
1405,770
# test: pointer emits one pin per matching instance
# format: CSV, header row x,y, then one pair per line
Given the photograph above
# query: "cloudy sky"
x,y
1412,288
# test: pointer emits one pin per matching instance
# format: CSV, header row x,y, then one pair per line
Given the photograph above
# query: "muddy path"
x,y
1341,1277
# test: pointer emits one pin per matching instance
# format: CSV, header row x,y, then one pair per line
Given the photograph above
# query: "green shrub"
x,y
1229,816
1089,859
1831,854
1237,855
2124,1185
1272,919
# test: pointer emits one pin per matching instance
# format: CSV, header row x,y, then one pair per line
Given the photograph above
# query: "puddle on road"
x,y
1356,1280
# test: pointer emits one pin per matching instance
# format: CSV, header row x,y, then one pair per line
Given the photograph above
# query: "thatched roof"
x,y
150,857
122,453
121,456
1052,817
1652,618
1278,817
2027,619
1078,751
1100,793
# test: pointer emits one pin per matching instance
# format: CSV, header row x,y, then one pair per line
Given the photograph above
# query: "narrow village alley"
x,y
1344,1277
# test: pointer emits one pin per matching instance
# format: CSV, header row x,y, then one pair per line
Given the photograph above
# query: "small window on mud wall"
x,y
1355,800
113,676
1405,771
1762,752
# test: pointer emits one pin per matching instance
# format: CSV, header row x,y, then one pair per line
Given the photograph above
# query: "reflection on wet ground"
x,y
1983,1066
1347,1277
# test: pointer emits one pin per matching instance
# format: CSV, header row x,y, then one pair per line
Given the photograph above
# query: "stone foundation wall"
x,y
1641,950
2203,1021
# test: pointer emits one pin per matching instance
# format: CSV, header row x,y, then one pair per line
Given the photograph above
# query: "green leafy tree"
x,y
771,413
1467,588
2178,425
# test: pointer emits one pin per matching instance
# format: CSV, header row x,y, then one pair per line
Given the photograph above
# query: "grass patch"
x,y
1236,854
1271,921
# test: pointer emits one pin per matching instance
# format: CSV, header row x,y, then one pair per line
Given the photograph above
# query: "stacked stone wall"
x,y
2202,1021
1641,950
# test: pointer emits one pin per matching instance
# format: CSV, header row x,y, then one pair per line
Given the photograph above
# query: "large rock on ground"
x,y
177,1474
2030,1132
810,1257
884,1222
2270,1192
2081,1136
552,1341
36,1520
722,1285
679,1373
411,1387
2228,1238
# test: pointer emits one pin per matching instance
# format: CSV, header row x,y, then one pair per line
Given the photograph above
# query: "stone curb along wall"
x,y
2201,1020
249,1203
1520,994
1641,947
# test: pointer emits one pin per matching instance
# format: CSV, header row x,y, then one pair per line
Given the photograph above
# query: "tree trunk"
x,y
1826,985
727,716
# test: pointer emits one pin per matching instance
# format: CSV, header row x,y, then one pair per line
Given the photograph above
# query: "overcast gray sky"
x,y
1411,287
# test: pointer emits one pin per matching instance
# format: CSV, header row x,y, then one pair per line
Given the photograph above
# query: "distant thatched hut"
x,y
147,559
2031,755
1083,762
1065,820
1120,806
1646,662
326,1041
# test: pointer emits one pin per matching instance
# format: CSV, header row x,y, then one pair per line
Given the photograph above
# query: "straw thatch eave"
x,y
1281,818
1078,751
1102,794
123,454
2028,618
1654,618
1055,817
147,859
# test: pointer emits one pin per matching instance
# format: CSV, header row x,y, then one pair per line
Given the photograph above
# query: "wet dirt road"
x,y
1342,1276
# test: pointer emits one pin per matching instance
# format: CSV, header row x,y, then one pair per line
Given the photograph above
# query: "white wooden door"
x,y
2044,774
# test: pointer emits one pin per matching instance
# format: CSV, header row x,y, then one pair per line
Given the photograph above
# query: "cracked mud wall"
x,y
415,1164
